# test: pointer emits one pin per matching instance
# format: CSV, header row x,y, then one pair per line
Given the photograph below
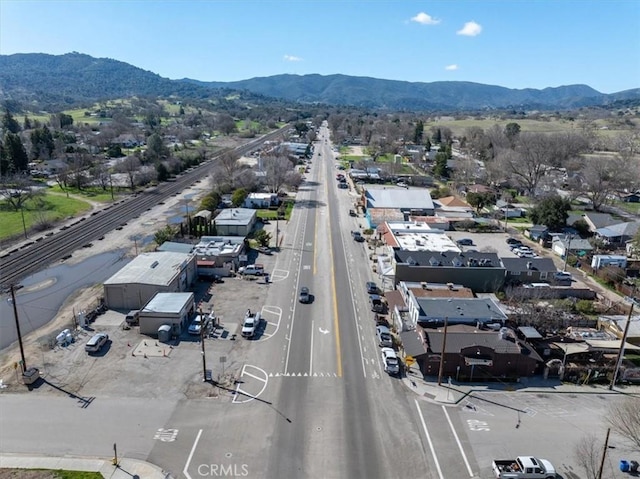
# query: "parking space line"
x,y
193,449
426,433
453,430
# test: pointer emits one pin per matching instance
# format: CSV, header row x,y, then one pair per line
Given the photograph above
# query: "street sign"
x,y
223,359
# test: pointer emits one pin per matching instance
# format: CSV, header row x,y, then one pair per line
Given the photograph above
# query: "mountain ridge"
x,y
76,77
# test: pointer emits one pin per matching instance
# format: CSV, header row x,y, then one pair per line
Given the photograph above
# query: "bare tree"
x,y
276,169
603,176
130,166
624,418
16,190
224,171
588,452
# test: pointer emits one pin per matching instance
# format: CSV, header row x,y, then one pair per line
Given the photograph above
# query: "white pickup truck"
x,y
250,323
252,270
523,467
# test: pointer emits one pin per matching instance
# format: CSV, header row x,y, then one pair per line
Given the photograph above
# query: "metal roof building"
x,y
147,274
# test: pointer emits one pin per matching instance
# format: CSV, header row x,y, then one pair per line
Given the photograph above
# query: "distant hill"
x,y
76,78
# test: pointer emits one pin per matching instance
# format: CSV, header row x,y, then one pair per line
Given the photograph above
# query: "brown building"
x,y
474,354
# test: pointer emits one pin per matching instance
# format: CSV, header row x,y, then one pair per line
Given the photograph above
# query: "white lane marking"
x,y
246,397
323,331
311,350
193,449
426,433
276,311
464,456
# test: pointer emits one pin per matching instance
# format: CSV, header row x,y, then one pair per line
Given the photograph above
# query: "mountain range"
x,y
75,78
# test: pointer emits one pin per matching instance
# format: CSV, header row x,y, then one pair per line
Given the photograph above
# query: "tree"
x,y
165,234
211,201
262,237
588,453
238,197
9,123
42,144
65,120
163,172
481,200
551,211
226,124
440,168
16,158
156,150
624,418
604,176
511,131
418,132
276,169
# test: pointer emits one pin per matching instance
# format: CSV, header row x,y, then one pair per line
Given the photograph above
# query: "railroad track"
x,y
61,243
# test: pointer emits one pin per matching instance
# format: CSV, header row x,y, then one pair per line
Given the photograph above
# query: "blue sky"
x,y
511,43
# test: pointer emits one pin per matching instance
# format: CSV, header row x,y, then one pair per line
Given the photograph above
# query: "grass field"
x,y
50,207
552,125
266,214
91,193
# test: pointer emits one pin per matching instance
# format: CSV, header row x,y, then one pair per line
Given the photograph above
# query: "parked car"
x,y
402,184
465,242
390,361
384,336
304,296
96,342
196,325
513,241
372,288
343,186
357,236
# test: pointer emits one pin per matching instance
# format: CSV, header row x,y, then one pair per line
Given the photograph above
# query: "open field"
x,y
552,125
50,207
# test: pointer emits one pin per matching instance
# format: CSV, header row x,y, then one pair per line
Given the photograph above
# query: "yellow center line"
x,y
336,325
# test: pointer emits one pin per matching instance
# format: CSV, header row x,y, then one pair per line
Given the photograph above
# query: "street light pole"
x,y
621,350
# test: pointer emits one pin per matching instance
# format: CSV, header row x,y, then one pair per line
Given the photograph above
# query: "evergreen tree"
x,y
17,159
26,124
552,212
418,132
9,123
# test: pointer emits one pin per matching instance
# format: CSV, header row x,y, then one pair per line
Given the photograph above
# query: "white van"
x,y
133,317
96,342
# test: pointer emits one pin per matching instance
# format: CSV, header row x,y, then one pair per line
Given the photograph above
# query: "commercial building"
x,y
172,309
235,221
147,274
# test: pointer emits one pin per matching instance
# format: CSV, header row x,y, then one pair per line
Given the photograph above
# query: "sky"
x,y
510,43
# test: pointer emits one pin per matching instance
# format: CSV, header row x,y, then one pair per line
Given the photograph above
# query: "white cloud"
x,y
291,58
451,67
425,19
470,29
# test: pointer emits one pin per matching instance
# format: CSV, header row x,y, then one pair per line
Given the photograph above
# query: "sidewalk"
x,y
455,393
127,468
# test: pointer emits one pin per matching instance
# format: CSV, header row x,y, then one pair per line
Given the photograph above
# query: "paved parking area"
x,y
486,242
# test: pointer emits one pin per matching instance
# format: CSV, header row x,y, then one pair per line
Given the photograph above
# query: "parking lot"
x,y
487,242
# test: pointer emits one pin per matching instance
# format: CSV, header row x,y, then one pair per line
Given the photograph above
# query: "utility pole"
x,y
621,350
604,453
444,347
15,315
204,358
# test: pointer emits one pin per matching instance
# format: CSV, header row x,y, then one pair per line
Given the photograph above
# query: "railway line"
x,y
61,242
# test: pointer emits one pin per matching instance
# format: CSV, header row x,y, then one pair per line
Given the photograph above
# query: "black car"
x,y
304,296
465,242
372,288
513,241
